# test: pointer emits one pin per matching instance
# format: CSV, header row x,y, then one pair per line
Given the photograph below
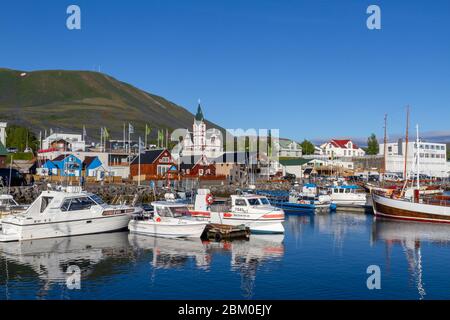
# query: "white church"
x,y
202,141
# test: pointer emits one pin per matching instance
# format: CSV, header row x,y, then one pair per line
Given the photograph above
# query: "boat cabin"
x,y
69,199
170,209
7,200
346,189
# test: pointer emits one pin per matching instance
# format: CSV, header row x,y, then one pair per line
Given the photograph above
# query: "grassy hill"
x,y
67,100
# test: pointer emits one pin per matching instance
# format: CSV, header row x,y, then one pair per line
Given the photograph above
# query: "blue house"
x,y
64,166
93,167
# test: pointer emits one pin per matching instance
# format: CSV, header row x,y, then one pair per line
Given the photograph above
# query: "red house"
x,y
196,167
154,164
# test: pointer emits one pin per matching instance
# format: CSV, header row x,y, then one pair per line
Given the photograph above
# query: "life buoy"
x,y
209,199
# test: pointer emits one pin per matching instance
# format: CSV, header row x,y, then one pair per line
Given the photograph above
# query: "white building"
x,y
433,158
64,142
288,148
202,141
342,148
3,133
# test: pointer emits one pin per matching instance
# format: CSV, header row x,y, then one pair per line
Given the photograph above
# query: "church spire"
x,y
199,115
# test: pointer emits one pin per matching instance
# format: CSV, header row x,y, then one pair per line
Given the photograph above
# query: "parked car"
x,y
17,179
12,150
290,177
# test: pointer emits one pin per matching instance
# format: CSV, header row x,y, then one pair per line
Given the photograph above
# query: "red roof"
x,y
342,143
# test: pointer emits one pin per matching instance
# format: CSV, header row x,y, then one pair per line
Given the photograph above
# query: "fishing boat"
x,y
253,211
170,219
409,204
309,200
349,198
68,211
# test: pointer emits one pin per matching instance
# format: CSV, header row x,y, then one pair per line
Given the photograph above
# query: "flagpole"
x,y
145,145
101,139
124,138
139,163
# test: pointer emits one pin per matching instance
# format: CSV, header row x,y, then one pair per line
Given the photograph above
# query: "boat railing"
x,y
436,202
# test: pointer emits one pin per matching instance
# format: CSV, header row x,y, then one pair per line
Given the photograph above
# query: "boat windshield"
x,y
258,201
97,199
175,212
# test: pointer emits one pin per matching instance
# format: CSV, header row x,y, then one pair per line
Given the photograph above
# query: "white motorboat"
x,y
350,198
253,211
170,219
66,212
9,206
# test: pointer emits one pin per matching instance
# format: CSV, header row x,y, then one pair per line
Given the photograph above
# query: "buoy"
x,y
209,199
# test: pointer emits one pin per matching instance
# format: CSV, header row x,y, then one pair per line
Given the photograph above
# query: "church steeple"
x,y
199,115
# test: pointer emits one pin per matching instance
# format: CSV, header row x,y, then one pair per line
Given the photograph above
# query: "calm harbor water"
x,y
319,257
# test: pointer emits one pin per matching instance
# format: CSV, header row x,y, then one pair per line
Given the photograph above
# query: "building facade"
x,y
202,141
342,148
64,142
433,158
153,164
289,149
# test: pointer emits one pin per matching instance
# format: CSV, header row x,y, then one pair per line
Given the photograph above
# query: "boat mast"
x,y
385,145
405,172
418,158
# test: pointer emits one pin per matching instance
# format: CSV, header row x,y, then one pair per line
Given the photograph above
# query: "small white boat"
x,y
350,198
69,211
170,219
253,211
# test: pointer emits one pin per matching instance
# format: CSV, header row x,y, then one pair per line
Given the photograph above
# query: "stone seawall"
x,y
114,193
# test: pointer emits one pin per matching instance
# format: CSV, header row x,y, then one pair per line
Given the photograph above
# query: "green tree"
x,y
307,147
373,148
17,137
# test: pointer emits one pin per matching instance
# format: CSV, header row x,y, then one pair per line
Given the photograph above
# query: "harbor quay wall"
x,y
119,193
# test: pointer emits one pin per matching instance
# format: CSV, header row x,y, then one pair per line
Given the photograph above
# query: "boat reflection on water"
x,y
410,236
50,258
249,256
171,252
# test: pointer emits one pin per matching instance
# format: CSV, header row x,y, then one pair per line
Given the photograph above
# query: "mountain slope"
x,y
67,100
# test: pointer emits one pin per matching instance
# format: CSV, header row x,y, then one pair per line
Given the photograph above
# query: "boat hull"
x,y
165,230
257,223
290,207
404,210
16,232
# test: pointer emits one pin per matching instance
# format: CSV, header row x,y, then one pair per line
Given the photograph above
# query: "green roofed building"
x,y
3,154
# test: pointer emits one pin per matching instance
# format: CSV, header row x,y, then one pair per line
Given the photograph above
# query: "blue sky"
x,y
310,68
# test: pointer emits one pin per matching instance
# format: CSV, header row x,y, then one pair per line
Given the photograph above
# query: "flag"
x,y
148,130
160,136
106,133
130,128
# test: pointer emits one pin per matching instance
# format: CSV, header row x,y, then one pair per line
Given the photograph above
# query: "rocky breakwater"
x,y
109,193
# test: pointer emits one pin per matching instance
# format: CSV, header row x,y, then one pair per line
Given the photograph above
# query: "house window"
x,y
161,170
200,172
